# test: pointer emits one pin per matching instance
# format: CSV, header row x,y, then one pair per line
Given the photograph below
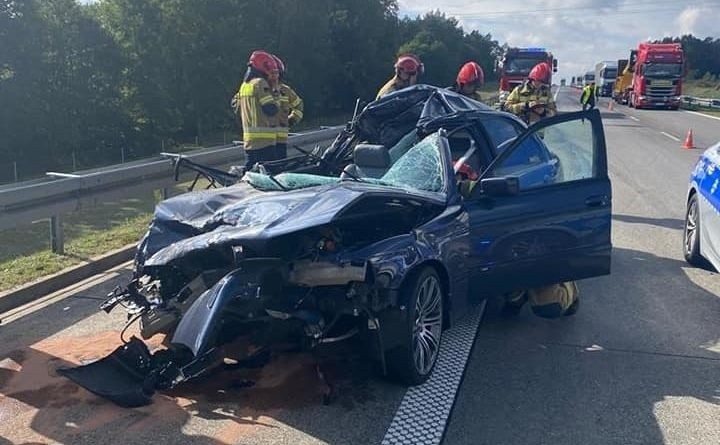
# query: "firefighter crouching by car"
x,y
258,109
532,100
408,68
291,107
469,80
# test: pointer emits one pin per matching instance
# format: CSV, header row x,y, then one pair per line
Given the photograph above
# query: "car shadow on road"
x,y
668,223
641,354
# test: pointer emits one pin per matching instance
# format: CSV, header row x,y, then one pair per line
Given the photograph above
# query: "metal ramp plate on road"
x,y
424,411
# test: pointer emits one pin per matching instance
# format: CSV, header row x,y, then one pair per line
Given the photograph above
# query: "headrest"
x,y
372,156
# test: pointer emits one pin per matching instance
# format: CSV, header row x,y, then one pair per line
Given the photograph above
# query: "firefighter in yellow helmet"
x,y
291,107
533,100
258,109
408,68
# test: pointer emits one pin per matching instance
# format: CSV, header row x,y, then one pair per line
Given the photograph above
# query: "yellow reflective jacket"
x,y
291,111
522,99
474,96
393,84
587,92
258,110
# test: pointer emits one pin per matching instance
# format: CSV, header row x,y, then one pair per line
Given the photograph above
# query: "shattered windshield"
x,y
419,168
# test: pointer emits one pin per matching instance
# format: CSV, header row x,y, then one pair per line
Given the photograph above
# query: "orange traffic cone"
x,y
689,140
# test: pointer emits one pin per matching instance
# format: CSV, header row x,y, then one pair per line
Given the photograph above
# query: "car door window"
x,y
557,154
501,132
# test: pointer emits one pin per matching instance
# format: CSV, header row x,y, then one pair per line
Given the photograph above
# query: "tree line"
x,y
90,84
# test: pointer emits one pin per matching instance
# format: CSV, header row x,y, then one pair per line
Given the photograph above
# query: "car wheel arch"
x,y
444,282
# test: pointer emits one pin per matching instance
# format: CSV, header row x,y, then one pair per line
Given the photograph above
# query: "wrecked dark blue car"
x,y
374,237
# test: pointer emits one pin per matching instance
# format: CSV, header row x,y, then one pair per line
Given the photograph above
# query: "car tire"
x,y
691,234
414,360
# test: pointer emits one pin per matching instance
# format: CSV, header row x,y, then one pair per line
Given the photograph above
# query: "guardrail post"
x,y
57,235
164,193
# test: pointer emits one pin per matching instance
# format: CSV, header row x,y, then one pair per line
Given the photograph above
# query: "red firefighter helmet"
x,y
471,72
540,72
409,63
280,65
263,62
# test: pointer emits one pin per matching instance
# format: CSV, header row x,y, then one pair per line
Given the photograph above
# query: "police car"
x,y
702,218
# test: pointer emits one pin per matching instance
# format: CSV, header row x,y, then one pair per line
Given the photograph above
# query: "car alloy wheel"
x,y
428,324
419,335
691,235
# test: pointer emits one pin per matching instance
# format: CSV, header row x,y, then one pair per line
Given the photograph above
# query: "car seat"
x,y
369,161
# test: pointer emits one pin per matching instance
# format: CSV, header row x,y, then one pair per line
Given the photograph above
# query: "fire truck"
x,y
515,65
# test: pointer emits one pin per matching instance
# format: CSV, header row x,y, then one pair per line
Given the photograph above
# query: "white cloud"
x,y
579,32
699,21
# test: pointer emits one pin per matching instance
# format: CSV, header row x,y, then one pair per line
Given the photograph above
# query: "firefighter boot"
x,y
514,302
554,301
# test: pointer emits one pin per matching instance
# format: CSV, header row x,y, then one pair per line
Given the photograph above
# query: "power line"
x,y
602,10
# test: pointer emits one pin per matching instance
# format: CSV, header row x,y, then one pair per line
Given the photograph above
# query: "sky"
x,y
578,32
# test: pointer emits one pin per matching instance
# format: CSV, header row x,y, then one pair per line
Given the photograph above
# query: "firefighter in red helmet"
x,y
533,100
469,80
258,109
408,68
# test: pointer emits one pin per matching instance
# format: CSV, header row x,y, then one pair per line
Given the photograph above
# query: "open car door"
x,y
541,212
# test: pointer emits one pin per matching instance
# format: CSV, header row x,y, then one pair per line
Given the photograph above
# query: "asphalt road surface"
x,y
638,364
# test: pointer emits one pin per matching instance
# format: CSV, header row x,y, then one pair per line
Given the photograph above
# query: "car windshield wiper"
x,y
323,161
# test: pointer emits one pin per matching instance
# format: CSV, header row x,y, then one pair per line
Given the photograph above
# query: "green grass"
x,y
701,89
86,244
26,253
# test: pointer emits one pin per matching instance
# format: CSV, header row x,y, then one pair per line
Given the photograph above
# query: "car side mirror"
x,y
503,186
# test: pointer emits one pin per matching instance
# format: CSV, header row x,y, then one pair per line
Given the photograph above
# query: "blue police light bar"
x,y
528,50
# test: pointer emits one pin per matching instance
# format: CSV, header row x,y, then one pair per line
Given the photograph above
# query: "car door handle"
x,y
596,201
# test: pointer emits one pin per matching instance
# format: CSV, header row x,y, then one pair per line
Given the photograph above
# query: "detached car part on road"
x,y
370,238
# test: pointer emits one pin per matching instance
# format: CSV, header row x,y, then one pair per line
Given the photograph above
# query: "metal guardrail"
x,y
701,101
62,193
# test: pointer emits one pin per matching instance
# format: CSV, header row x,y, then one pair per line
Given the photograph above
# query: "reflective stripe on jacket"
x,y
258,118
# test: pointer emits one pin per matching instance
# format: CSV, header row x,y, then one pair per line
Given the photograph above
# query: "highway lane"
x,y
637,364
640,362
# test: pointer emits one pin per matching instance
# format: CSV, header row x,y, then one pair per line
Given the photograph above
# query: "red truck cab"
x,y
657,76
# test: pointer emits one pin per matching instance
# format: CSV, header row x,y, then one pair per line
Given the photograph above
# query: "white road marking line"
x,y
633,118
425,410
557,90
702,114
671,136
